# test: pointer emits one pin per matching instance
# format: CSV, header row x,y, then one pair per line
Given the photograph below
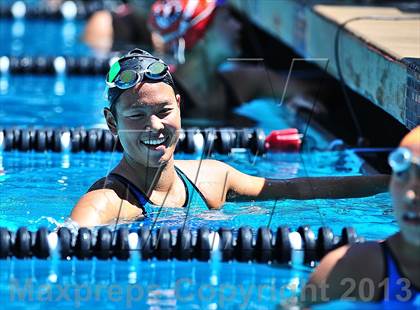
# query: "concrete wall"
x,y
391,83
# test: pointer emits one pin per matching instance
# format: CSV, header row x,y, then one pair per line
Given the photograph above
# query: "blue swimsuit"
x,y
128,191
399,289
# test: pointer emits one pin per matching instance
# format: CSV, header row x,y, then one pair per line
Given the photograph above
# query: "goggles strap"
x,y
113,72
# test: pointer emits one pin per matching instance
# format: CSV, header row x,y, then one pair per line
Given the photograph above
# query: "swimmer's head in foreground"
x,y
143,108
390,267
405,186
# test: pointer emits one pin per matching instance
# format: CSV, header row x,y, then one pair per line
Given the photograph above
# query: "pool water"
x,y
36,37
29,100
40,189
157,285
59,180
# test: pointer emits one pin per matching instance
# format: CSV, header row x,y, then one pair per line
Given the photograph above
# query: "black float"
x,y
83,244
121,249
192,140
41,248
226,244
75,9
203,244
282,248
22,244
58,65
183,246
325,242
263,246
309,244
244,249
103,244
245,245
146,242
5,243
163,244
65,242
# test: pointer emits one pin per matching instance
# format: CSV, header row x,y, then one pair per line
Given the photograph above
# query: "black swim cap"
x,y
135,60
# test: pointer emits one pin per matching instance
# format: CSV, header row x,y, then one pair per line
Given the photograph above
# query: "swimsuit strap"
x,y
398,286
141,197
194,195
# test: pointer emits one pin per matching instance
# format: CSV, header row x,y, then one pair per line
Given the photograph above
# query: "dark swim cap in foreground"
x,y
134,67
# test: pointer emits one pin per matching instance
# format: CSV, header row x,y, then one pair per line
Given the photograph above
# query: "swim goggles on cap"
x,y
154,69
401,159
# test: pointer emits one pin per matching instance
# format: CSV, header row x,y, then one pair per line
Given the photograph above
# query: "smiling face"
x,y
405,192
147,122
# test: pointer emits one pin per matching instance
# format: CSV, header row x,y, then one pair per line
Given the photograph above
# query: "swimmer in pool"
x,y
204,38
198,36
380,271
144,111
123,27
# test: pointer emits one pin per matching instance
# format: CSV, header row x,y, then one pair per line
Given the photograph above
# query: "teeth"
x,y
154,141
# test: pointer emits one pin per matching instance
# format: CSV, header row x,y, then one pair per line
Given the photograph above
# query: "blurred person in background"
x,y
120,28
204,38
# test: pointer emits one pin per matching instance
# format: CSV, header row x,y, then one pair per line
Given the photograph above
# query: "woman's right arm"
x,y
103,206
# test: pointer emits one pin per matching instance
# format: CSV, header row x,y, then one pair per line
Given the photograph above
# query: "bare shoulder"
x,y
370,248
210,177
98,30
99,197
366,257
358,259
219,177
100,18
101,207
204,169
342,272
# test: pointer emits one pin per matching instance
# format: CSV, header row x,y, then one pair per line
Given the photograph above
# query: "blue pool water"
x,y
136,285
60,180
35,38
28,100
41,189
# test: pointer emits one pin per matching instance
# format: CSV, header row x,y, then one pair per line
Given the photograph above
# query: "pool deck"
x,y
379,59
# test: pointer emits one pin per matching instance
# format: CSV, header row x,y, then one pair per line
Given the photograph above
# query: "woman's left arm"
x,y
246,187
